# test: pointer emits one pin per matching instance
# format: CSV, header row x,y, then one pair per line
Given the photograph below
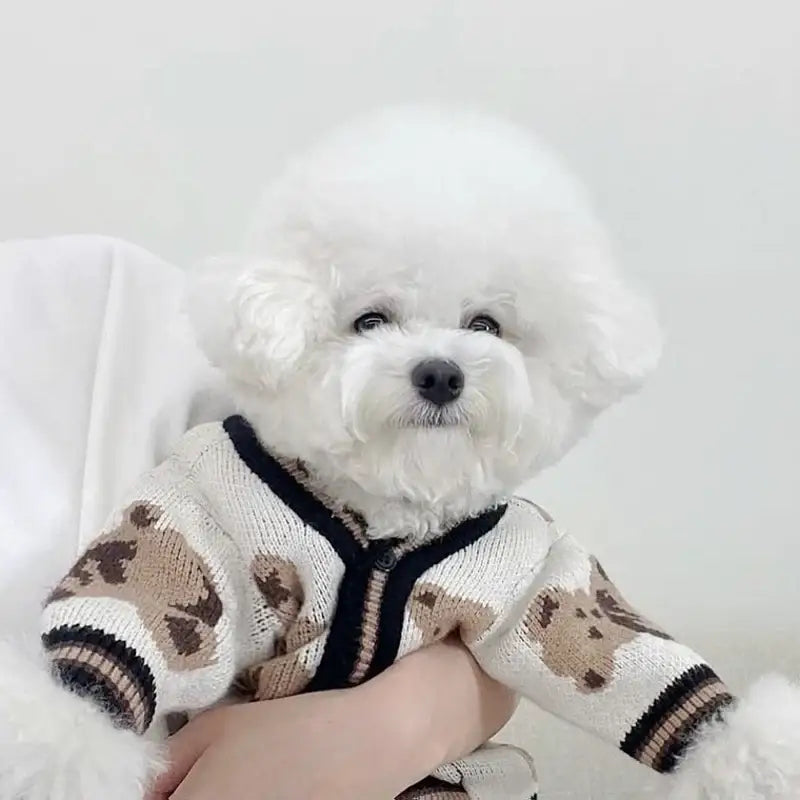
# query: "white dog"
x,y
423,231
426,316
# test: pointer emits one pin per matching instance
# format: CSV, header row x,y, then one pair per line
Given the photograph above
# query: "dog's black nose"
x,y
438,381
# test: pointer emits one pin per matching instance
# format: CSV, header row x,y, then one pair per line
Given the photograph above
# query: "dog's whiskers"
x,y
429,416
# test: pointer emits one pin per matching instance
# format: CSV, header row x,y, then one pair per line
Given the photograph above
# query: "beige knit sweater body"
x,y
224,570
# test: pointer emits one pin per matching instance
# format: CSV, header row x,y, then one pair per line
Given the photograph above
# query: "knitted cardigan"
x,y
225,570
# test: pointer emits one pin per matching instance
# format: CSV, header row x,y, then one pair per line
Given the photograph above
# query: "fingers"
x,y
183,750
213,776
193,787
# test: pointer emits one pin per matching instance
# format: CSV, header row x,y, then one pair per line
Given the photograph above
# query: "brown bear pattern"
x,y
285,673
580,631
437,614
128,563
279,585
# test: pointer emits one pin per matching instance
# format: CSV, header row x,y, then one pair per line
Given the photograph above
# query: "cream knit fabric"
x,y
225,570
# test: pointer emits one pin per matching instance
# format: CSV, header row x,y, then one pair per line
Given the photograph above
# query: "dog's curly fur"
x,y
430,218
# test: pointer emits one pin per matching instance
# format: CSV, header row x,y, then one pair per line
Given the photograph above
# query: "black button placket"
x,y
344,640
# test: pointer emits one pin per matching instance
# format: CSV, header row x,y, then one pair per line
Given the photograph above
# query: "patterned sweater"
x,y
226,570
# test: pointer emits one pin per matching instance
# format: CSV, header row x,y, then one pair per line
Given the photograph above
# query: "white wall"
x,y
157,121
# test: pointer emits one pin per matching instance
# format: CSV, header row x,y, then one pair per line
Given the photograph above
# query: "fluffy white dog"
x,y
426,316
420,230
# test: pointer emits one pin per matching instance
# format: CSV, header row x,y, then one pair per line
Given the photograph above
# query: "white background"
x,y
158,121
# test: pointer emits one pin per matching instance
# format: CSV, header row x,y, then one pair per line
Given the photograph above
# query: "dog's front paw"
x,y
752,753
54,744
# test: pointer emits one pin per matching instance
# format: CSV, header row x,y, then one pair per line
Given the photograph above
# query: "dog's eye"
x,y
483,323
369,321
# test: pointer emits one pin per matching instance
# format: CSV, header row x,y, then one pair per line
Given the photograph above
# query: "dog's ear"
x,y
625,344
255,318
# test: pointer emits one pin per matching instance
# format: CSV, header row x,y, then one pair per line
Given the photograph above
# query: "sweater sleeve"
x,y
569,642
144,622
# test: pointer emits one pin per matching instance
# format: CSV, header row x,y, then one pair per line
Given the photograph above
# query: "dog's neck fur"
x,y
399,517
387,516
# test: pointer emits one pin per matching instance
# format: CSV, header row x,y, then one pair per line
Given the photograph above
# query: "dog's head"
x,y
430,310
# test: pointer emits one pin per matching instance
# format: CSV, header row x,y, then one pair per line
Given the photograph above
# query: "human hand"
x,y
370,742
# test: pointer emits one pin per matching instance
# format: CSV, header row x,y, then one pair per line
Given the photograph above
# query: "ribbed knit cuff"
x,y
662,734
97,665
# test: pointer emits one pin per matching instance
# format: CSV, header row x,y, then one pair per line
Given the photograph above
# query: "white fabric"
x,y
99,376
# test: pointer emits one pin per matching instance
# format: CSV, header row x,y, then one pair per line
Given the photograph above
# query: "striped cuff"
x,y
95,664
665,730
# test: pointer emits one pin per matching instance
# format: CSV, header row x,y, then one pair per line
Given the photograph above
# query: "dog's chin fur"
x,y
407,482
55,745
371,443
752,753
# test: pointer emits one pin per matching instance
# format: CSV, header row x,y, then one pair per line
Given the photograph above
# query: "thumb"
x,y
183,750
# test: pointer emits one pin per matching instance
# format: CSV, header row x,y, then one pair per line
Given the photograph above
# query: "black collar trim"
x,y
297,497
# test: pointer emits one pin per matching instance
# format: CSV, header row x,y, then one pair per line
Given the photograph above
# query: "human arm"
x,y
371,741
